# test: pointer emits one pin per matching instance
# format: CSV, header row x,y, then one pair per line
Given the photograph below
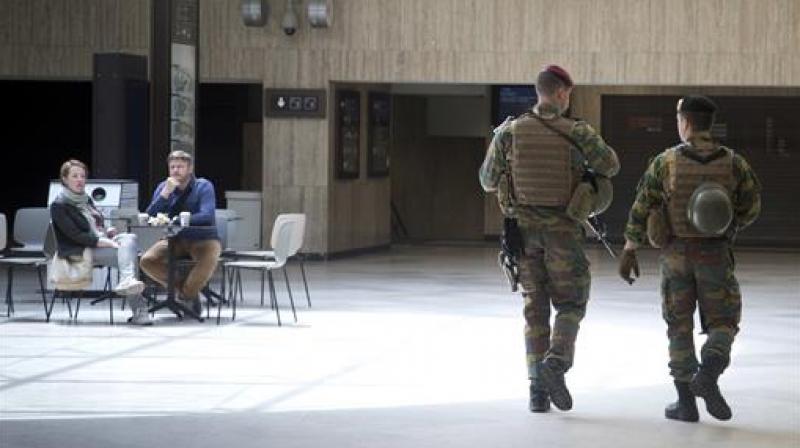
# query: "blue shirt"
x,y
201,202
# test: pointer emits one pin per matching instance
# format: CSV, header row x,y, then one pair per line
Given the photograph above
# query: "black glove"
x,y
628,263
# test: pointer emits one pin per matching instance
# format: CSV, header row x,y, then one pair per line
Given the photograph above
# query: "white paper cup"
x,y
143,218
185,218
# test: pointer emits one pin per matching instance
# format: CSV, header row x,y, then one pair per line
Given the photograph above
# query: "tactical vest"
x,y
540,163
684,176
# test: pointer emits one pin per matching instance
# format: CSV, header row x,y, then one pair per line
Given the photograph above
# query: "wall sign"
x,y
297,103
348,134
511,101
379,135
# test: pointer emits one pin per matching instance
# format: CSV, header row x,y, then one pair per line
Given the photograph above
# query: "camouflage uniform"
x,y
554,267
696,271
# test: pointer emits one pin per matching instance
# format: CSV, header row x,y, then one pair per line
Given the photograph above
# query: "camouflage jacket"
x,y
650,192
495,172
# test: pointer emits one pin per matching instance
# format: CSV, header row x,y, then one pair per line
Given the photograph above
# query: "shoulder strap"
x,y
511,196
561,133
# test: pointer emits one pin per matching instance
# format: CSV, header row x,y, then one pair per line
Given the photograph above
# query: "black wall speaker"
x,y
120,125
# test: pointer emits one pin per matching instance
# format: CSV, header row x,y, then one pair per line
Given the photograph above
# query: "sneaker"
x,y
140,317
129,287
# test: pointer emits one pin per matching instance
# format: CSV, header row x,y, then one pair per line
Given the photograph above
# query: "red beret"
x,y
560,73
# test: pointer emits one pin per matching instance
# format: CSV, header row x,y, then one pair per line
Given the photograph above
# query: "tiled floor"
x,y
416,347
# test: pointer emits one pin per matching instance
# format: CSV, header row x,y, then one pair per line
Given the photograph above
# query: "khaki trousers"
x,y
205,254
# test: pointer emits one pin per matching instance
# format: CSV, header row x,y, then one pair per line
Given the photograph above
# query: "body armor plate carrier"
x,y
685,175
540,163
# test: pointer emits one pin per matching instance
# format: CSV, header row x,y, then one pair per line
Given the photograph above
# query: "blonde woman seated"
x,y
78,225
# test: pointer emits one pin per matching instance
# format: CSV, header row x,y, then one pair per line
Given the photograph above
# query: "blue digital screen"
x,y
511,100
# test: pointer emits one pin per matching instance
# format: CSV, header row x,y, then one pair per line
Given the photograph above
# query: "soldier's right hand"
x,y
628,263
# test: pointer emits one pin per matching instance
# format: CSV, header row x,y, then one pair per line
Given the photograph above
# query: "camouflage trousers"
x,y
698,273
554,270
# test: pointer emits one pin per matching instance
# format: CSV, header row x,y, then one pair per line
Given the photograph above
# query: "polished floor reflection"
x,y
415,347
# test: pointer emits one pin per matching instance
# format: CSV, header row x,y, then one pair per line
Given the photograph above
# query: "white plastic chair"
x,y
282,233
298,236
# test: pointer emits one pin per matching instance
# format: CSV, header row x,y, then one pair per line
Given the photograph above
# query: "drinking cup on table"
x,y
143,219
185,218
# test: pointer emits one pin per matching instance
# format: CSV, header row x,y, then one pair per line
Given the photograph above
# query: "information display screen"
x,y
511,100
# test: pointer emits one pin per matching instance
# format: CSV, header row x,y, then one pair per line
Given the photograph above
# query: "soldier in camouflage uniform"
x,y
534,164
696,268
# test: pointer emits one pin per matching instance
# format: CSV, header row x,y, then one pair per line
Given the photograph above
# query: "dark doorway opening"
x,y
47,122
435,156
229,136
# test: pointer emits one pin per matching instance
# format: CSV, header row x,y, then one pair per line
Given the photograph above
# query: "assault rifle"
x,y
512,247
598,227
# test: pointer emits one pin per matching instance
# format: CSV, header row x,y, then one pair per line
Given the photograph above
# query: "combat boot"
x,y
704,385
685,409
539,398
552,373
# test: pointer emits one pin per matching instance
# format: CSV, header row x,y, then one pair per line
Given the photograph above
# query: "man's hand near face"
x,y
169,186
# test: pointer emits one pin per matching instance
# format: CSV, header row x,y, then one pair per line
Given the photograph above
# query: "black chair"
x,y
13,262
213,298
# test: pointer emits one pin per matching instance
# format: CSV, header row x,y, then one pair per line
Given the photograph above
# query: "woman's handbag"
x,y
74,273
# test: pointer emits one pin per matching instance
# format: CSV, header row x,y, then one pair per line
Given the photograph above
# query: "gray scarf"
x,y
81,202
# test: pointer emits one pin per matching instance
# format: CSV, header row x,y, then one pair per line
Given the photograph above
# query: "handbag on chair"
x,y
73,273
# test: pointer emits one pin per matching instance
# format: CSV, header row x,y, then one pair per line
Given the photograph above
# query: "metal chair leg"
x,y
262,287
222,294
305,283
289,290
49,311
239,284
107,285
77,306
9,298
41,286
233,302
238,276
274,296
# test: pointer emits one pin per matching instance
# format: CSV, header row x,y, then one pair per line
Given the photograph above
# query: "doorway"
x,y
47,122
229,136
438,144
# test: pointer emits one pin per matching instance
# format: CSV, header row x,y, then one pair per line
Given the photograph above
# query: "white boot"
x,y
129,286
